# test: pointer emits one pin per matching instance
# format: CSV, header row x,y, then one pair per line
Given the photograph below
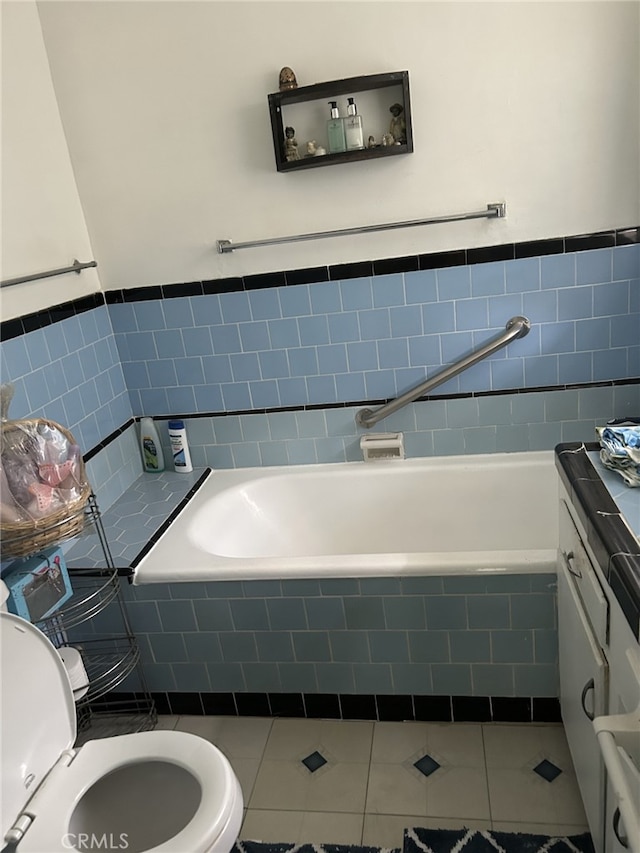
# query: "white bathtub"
x,y
445,515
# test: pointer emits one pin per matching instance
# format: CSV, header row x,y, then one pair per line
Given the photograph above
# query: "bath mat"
x,y
263,847
491,841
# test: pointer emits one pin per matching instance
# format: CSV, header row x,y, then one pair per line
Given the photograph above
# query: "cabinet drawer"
x,y
578,564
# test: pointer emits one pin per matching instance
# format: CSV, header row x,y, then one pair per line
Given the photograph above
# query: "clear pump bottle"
x,y
335,130
354,136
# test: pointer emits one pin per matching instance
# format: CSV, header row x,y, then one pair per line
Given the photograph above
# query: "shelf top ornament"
x,y
287,79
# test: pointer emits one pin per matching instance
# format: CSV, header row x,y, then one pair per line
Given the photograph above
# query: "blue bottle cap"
x,y
176,424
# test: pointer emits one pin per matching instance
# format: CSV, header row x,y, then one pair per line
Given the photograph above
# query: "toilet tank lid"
x,y
37,710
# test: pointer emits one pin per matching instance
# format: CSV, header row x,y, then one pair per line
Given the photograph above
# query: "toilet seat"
x,y
53,804
190,801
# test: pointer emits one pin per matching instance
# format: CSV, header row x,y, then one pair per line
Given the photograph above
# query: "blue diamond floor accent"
x,y
426,765
314,761
547,770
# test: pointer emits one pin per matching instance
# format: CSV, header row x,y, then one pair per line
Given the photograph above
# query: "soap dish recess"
x,y
383,445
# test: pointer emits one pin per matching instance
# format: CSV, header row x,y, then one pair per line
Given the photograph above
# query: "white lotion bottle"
x,y
354,136
152,455
180,447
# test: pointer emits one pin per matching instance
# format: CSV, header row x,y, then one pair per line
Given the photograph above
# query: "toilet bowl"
x,y
152,791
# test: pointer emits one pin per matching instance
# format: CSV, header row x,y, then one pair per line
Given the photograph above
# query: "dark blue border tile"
x,y
221,704
322,706
360,269
625,236
264,280
358,707
533,248
471,709
286,705
435,709
584,242
490,254
253,705
439,260
510,709
395,708
222,285
144,294
389,266
185,703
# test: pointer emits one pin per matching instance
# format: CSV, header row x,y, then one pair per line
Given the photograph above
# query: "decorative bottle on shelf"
x,y
152,456
354,137
180,447
335,130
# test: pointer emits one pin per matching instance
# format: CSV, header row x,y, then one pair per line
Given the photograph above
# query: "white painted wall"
x,y
42,225
164,105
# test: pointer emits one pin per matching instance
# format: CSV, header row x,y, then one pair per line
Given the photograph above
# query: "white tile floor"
x,y
369,791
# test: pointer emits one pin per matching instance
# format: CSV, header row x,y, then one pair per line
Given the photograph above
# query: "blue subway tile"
x,y
454,283
203,646
226,339
488,611
558,271
420,287
177,615
522,275
274,364
594,267
470,646
389,646
246,454
313,330
254,336
298,677
325,297
262,677
533,611
405,321
350,386
576,303
287,614
362,355
349,645
177,313
169,343
488,279
238,646
294,300
274,452
249,614
303,361
216,368
332,358
311,646
167,648
491,679
424,350
356,293
541,370
611,298
380,384
274,645
536,680
293,392
191,677
412,679
438,317
388,290
335,677
514,646
284,333
264,394
545,646
626,262
227,677
372,677
325,613
235,307
451,679
374,324
428,646
609,364
593,334
472,314
393,353
244,366
264,304
148,315
206,310
558,337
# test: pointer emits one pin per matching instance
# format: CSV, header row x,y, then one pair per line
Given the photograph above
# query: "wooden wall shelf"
x,y
325,92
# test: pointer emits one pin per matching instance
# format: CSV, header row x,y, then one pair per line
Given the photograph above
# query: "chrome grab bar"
x,y
493,211
517,327
76,267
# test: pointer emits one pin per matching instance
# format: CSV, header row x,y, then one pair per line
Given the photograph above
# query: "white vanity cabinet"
x,y
599,662
584,669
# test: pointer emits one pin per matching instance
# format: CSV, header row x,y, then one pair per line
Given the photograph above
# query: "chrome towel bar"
x,y
76,267
517,327
493,211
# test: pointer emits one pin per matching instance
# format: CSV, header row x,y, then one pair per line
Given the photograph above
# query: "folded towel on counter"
x,y
620,448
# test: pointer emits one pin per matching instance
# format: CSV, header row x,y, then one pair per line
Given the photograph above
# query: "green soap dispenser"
x,y
335,131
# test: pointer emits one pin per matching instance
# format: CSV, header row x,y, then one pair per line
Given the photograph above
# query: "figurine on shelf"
x,y
398,126
371,142
312,148
287,79
290,145
388,139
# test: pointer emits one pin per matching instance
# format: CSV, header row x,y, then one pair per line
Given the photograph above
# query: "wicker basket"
x,y
21,538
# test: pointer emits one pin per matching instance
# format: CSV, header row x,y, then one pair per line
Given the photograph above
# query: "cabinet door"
x,y
583,695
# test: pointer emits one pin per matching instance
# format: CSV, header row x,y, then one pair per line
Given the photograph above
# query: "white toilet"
x,y
153,791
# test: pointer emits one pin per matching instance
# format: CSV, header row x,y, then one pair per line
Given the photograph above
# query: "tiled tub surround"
x,y
220,643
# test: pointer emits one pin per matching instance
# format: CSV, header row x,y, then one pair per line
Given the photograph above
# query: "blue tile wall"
x,y
374,337
341,341
466,636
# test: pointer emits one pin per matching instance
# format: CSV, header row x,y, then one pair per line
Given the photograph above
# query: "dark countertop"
x,y
609,512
